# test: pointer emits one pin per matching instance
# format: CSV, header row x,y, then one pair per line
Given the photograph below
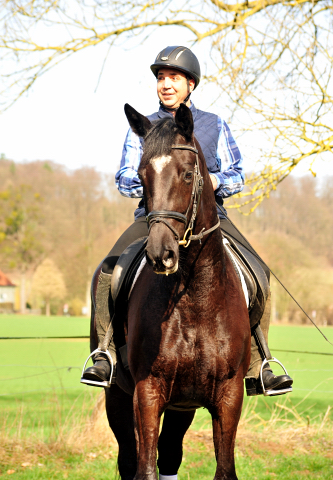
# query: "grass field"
x,y
42,403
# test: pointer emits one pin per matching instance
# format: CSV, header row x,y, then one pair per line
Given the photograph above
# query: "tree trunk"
x,y
22,294
47,308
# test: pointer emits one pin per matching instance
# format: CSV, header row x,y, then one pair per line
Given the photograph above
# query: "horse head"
x,y
172,172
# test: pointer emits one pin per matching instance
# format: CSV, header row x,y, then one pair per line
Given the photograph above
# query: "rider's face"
x,y
172,87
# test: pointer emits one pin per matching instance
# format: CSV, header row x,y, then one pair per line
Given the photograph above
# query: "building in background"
x,y
7,294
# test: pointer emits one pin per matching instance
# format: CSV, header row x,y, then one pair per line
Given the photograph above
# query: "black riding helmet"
x,y
180,58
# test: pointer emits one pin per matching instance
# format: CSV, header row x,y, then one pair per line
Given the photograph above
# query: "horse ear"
x,y
184,121
139,124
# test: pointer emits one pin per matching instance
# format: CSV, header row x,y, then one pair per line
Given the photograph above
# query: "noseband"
x,y
160,216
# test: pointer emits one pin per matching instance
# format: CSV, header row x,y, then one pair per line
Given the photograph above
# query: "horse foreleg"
x,y
170,442
225,421
119,409
147,412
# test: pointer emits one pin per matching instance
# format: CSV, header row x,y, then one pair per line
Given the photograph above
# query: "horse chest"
x,y
181,339
189,349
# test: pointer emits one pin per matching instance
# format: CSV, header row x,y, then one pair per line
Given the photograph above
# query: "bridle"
x,y
160,216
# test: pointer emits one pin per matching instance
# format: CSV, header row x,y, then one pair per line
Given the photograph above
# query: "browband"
x,y
185,147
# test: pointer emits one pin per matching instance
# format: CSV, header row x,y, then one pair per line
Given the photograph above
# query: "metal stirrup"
x,y
103,349
106,383
260,339
271,393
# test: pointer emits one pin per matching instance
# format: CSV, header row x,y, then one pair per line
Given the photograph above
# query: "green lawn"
x,y
41,377
41,399
292,454
42,326
312,374
196,466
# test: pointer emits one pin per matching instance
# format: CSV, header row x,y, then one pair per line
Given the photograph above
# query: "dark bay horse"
x,y
187,321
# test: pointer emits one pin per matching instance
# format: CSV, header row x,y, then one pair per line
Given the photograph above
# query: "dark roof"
x,y
4,281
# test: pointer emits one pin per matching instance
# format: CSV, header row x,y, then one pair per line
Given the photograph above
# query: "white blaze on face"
x,y
159,163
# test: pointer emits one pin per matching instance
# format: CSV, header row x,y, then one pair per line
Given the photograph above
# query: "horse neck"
x,y
206,255
207,213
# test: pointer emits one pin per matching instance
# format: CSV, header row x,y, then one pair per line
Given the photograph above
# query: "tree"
x,y
20,233
76,222
292,232
48,282
283,90
271,59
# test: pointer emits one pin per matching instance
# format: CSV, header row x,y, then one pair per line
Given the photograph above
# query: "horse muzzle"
x,y
162,259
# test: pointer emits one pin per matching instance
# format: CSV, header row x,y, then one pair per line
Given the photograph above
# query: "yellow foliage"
x,y
75,307
48,281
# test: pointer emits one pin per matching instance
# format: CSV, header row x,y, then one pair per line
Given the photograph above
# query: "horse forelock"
x,y
159,139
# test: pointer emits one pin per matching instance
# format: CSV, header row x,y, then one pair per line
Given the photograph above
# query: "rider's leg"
x,y
271,381
252,380
101,369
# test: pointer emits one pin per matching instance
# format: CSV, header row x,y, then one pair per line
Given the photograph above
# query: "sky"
x,y
76,120
72,117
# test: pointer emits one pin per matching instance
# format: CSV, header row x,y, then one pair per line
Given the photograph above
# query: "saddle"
x,y
125,270
245,264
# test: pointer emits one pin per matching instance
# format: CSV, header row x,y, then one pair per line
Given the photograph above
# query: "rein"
x,y
160,216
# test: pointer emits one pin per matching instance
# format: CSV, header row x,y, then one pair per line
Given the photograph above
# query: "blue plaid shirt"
x,y
230,178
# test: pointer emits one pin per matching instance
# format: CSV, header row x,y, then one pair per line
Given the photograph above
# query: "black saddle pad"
x,y
126,268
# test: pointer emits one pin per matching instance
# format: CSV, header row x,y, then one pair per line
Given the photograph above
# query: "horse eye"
x,y
188,175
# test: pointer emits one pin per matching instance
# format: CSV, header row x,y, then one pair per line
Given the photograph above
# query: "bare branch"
x,y
273,64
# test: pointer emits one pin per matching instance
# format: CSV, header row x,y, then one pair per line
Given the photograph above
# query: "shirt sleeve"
x,y
230,178
127,180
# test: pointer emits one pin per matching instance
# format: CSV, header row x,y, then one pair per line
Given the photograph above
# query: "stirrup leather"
x,y
106,383
271,393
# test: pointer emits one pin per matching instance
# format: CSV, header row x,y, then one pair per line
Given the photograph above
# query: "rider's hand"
x,y
214,181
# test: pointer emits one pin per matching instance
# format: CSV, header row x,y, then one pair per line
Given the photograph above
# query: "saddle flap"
x,y
126,266
252,264
249,262
121,282
242,270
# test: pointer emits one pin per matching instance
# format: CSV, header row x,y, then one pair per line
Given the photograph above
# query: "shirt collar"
x,y
163,113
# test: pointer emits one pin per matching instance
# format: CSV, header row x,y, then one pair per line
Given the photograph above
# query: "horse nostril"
x,y
168,258
149,258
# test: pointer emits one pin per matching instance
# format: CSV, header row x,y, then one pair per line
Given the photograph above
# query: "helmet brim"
x,y
155,67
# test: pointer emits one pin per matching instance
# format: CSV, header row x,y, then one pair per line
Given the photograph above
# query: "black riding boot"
x,y
272,383
100,372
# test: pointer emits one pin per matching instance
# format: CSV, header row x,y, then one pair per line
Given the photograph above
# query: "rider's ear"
x,y
184,121
139,124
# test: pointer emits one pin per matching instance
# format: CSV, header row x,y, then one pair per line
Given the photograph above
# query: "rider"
x,y
177,71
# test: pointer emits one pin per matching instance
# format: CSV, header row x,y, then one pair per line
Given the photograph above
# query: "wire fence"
x,y
87,338
75,367
300,351
42,338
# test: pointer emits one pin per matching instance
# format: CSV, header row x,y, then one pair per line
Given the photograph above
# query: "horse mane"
x,y
159,139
